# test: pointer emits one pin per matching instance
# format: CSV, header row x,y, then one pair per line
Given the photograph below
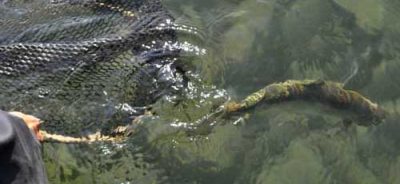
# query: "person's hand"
x,y
32,122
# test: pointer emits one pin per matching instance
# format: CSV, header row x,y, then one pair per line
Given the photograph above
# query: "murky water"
x,y
249,44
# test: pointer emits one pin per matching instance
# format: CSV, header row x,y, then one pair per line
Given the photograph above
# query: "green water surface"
x,y
249,44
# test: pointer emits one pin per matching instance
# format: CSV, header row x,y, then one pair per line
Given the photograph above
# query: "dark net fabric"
x,y
83,65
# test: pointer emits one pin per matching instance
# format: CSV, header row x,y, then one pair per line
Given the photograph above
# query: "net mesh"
x,y
83,65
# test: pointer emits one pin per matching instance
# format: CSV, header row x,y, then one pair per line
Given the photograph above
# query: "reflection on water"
x,y
248,44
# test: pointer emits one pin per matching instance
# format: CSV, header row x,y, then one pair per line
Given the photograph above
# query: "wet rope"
x,y
326,92
92,138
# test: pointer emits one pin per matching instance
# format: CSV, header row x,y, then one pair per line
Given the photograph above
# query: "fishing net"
x,y
84,65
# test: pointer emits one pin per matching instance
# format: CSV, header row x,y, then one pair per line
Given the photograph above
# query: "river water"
x,y
249,44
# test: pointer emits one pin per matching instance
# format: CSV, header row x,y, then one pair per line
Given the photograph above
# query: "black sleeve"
x,y
20,153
